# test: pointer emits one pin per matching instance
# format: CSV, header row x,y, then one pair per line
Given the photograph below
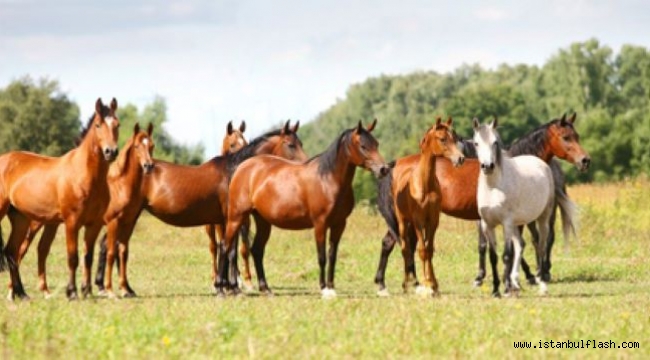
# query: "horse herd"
x,y
271,180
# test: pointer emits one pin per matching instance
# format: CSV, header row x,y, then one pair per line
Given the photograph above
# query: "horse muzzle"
x,y
458,161
110,154
148,167
381,170
487,168
583,164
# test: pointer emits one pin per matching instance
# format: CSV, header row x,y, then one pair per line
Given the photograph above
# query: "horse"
x,y
315,194
417,197
70,189
124,179
512,191
458,185
188,196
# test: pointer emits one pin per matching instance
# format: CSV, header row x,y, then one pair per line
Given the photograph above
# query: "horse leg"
x,y
426,249
44,246
123,240
34,228
546,264
225,277
482,247
512,234
259,245
210,231
490,236
543,225
244,251
524,264
101,264
320,234
72,244
387,245
90,237
19,229
336,231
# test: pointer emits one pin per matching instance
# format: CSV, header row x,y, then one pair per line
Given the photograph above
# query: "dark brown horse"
x,y
187,196
458,185
316,194
70,189
124,179
417,197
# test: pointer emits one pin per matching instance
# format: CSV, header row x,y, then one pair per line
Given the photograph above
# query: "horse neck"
x,y
542,151
88,157
424,175
128,170
344,170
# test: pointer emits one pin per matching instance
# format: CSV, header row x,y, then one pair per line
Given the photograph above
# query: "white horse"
x,y
512,191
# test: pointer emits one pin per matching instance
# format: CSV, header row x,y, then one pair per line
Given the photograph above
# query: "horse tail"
x,y
385,202
568,212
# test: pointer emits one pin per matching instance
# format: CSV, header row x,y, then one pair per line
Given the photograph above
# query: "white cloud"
x,y
491,14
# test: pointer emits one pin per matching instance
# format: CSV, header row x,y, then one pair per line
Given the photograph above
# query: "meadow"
x,y
599,292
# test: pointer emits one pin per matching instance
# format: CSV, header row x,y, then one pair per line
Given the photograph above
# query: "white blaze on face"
x,y
145,141
240,141
110,121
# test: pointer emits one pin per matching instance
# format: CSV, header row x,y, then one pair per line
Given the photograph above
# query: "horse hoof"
x,y
72,295
424,291
543,290
478,283
496,295
328,293
219,293
532,281
129,294
267,292
383,293
247,286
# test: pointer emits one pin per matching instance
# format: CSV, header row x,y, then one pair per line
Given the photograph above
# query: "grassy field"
x,y
600,292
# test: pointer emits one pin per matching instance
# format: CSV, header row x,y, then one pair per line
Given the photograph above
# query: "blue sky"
x,y
265,61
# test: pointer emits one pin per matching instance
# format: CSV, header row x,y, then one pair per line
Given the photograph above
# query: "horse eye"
x,y
443,140
566,138
291,145
98,125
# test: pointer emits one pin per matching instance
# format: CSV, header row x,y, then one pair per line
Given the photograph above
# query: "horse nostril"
x,y
586,160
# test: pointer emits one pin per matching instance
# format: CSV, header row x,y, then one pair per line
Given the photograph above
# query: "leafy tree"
x,y
37,117
166,147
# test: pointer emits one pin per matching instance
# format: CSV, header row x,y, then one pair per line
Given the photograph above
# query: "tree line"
x,y
609,92
36,116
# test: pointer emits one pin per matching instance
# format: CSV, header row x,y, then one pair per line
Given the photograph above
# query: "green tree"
x,y
37,117
166,147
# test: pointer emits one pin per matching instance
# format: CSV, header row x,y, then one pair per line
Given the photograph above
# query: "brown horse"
x,y
315,194
70,189
418,198
187,196
124,179
459,185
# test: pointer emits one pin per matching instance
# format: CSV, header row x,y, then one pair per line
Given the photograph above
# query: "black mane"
x,y
327,159
533,142
248,151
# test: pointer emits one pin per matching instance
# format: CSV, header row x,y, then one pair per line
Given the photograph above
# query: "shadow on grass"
x,y
587,278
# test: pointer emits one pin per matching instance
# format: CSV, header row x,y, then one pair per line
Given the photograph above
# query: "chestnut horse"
x,y
124,179
315,194
418,198
187,196
70,189
458,185
233,141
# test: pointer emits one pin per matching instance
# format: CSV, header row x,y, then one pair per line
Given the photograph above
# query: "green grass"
x,y
600,292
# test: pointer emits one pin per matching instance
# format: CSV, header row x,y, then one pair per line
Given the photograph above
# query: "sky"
x,y
268,61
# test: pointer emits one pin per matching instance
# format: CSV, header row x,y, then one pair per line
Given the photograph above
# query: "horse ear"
x,y
136,128
438,121
475,123
359,127
286,129
371,127
295,127
242,126
449,121
150,129
572,118
113,106
495,123
99,106
229,127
